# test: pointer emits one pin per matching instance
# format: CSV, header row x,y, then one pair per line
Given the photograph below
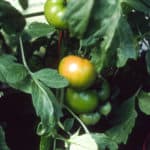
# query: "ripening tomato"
x,y
81,101
54,11
80,72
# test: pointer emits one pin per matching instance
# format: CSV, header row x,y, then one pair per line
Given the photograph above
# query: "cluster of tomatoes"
x,y
88,103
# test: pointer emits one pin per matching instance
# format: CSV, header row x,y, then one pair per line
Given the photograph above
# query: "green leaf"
x,y
57,107
7,59
68,124
15,72
10,18
144,102
139,5
126,48
2,77
11,72
24,85
105,142
77,16
44,109
51,78
36,30
147,58
125,120
24,3
104,27
102,24
3,145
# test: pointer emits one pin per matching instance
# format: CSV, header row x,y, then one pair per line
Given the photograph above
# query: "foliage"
x,y
10,25
37,30
144,101
102,31
3,144
125,118
104,141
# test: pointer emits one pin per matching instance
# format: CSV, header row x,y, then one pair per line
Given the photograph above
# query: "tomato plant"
x,y
79,71
54,11
81,101
86,86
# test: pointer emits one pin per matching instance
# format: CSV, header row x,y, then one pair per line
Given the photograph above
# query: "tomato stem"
x,y
59,42
54,144
23,55
61,96
77,118
79,52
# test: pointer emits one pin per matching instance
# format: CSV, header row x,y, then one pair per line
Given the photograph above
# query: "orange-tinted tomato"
x,y
80,72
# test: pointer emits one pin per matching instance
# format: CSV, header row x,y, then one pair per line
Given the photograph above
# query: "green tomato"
x,y
104,91
90,118
54,11
81,101
106,109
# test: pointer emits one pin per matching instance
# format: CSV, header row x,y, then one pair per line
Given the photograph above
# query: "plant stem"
x,y
54,144
138,90
23,55
77,118
80,45
79,52
59,43
61,96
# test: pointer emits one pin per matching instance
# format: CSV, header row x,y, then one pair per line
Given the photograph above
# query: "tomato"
x,y
90,118
104,91
106,109
54,11
81,101
80,72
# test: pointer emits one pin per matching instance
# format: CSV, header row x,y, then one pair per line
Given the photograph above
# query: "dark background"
x,y
19,120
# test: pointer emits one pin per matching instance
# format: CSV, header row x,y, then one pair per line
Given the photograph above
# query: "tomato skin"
x,y
106,109
90,118
80,72
54,11
104,91
81,101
